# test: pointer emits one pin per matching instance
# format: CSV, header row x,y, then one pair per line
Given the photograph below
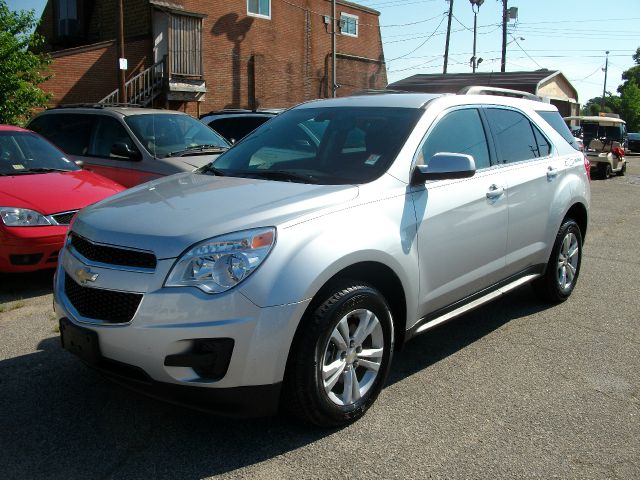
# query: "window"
x,y
67,17
326,145
107,132
70,132
514,135
259,8
555,120
460,131
186,45
349,24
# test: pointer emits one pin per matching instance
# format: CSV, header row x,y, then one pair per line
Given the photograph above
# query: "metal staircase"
x,y
141,89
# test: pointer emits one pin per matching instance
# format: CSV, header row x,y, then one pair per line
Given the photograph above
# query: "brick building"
x,y
201,55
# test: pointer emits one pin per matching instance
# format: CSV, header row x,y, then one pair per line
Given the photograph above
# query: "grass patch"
x,y
7,307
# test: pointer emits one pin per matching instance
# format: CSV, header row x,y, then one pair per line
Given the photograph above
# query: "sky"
x,y
567,35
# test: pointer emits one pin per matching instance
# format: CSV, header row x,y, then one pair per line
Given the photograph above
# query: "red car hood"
x,y
55,192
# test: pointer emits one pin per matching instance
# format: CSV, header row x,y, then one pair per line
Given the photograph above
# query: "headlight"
x,y
22,217
218,264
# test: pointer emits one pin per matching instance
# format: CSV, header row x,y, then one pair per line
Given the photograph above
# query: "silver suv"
x,y
288,271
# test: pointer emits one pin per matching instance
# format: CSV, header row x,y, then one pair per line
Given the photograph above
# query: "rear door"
x,y
462,223
533,174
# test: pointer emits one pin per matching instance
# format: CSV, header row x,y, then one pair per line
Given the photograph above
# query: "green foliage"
x,y
630,106
627,105
22,69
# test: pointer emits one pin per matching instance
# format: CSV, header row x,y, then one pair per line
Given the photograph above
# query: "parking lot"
x,y
514,389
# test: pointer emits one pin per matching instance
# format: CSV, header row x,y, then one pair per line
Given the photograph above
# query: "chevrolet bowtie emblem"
x,y
85,275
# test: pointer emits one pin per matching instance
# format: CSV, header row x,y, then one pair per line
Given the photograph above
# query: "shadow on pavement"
x,y
59,419
20,286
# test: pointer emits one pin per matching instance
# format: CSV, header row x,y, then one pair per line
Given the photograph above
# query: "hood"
x,y
55,192
172,213
191,162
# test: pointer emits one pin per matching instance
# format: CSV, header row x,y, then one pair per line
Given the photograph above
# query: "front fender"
x,y
309,254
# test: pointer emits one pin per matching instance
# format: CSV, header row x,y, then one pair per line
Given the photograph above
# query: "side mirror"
x,y
121,149
444,166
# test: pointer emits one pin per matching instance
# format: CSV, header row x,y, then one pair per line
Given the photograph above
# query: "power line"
x,y
423,43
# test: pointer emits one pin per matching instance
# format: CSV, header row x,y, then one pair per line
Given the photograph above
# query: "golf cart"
x,y
604,140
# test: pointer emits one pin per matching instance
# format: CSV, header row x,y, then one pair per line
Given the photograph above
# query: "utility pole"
x,y
503,62
121,72
604,89
334,85
475,6
446,46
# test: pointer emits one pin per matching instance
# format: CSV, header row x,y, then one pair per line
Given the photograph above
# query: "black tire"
x,y
549,287
623,170
304,392
607,171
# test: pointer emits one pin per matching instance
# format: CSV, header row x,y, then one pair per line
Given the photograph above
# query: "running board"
x,y
476,303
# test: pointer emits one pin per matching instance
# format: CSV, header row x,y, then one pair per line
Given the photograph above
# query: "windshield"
x,y
634,136
555,120
331,145
593,130
25,152
165,134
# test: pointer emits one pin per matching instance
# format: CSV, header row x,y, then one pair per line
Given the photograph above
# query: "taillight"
x,y
587,166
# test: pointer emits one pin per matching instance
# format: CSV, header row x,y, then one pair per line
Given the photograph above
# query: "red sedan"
x,y
40,192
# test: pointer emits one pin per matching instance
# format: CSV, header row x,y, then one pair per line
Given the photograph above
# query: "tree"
x,y
630,106
22,68
627,105
632,74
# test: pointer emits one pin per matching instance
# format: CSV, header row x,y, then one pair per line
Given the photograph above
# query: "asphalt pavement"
x,y
514,389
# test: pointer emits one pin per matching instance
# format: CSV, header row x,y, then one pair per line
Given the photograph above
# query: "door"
x,y
462,223
532,175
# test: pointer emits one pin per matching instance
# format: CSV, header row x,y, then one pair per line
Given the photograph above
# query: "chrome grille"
x,y
64,218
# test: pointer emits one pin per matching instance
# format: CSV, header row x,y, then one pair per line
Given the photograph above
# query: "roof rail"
x,y
503,92
93,105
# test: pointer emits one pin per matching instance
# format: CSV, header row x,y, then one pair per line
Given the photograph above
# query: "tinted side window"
x,y
544,149
70,132
107,132
514,135
237,128
460,131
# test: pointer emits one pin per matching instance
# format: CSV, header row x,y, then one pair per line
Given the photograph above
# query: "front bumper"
x,y
169,322
28,249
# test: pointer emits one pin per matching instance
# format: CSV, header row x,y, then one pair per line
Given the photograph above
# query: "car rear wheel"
x,y
340,357
563,267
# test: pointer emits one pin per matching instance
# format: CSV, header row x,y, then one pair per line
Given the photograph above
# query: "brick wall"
x,y
248,61
87,74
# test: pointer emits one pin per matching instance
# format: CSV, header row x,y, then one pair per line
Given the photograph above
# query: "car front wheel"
x,y
340,357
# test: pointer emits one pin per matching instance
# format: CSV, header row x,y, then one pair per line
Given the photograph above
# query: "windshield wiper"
x,y
209,168
280,175
42,170
198,149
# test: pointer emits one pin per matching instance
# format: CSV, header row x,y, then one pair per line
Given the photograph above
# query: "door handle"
x,y
495,191
552,172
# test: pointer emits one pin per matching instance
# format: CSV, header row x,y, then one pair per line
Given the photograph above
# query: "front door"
x,y
462,223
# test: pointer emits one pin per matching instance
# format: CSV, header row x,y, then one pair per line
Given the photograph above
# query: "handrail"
x,y
142,88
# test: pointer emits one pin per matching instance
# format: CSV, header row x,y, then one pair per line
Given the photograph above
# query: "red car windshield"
x,y
24,153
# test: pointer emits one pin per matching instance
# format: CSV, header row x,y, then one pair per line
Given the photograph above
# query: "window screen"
x,y
70,132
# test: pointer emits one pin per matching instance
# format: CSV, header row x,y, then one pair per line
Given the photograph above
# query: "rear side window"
x,y
555,120
517,139
236,128
70,132
460,131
